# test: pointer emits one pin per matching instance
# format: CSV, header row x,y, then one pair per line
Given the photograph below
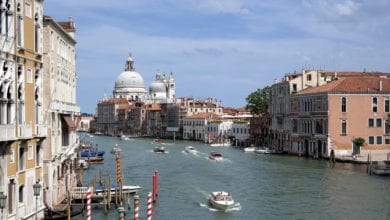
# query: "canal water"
x,y
263,186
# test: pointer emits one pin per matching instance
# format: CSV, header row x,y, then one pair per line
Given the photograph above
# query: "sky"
x,y
224,49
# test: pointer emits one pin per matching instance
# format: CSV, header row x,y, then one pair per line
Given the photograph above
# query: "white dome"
x,y
129,79
157,87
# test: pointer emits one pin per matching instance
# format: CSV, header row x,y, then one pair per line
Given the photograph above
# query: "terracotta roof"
x,y
354,74
67,25
203,115
153,107
352,85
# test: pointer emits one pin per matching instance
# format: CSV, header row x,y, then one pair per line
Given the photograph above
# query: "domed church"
x,y
130,84
162,89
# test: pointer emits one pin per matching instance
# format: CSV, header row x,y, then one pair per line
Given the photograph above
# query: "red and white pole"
x,y
155,185
136,207
89,193
149,206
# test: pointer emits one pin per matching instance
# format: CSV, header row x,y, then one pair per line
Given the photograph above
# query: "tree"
x,y
258,101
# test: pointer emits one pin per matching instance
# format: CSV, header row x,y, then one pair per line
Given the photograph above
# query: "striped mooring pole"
x,y
136,206
149,206
89,193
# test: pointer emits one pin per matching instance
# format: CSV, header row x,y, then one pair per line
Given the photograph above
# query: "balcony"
x,y
41,130
64,107
25,131
7,132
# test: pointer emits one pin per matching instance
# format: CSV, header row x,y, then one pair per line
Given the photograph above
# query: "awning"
x,y
68,120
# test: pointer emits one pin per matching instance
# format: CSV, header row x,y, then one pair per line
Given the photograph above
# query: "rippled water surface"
x,y
263,186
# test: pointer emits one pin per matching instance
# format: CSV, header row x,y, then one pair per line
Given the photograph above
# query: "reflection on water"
x,y
264,186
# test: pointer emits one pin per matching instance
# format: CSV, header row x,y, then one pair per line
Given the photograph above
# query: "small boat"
x,y
159,149
264,151
61,213
190,150
215,156
381,168
220,144
115,150
124,137
157,141
95,159
221,200
91,153
249,149
125,189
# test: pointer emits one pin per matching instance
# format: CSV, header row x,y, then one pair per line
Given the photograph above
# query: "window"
x,y
21,158
28,9
387,141
374,104
343,104
19,26
30,152
37,33
371,140
370,122
21,193
12,156
379,122
379,140
29,75
308,77
343,127
387,105
294,87
387,127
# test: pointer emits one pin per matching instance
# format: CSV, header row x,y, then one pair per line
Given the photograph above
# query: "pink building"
x,y
331,116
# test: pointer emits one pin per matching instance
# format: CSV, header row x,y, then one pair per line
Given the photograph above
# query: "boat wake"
x,y
236,207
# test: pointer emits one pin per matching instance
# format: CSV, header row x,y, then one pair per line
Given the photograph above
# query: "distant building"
x,y
331,116
194,126
61,109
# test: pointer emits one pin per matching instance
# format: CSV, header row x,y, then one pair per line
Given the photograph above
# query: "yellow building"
x,y
22,128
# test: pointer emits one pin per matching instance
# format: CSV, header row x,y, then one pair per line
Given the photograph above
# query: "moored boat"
x,y
215,156
95,159
249,149
220,144
91,153
221,200
381,168
125,189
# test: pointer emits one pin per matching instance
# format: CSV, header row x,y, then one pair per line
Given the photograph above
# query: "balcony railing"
x,y
64,106
7,132
25,131
41,130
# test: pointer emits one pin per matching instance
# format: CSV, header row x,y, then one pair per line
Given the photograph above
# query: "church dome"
x,y
130,84
129,79
156,87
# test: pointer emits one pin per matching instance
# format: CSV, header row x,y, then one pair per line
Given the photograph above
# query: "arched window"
x,y
21,193
343,104
374,104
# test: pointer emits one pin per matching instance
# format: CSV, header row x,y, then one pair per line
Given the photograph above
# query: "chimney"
x,y
380,85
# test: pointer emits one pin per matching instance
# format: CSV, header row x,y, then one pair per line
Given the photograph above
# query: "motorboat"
x,y
249,149
157,141
124,137
221,200
265,150
215,156
92,153
159,149
220,144
95,159
191,150
115,150
381,168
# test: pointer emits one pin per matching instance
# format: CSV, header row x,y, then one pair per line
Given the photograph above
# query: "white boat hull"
x,y
221,200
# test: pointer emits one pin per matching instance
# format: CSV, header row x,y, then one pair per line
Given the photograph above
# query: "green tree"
x,y
258,101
